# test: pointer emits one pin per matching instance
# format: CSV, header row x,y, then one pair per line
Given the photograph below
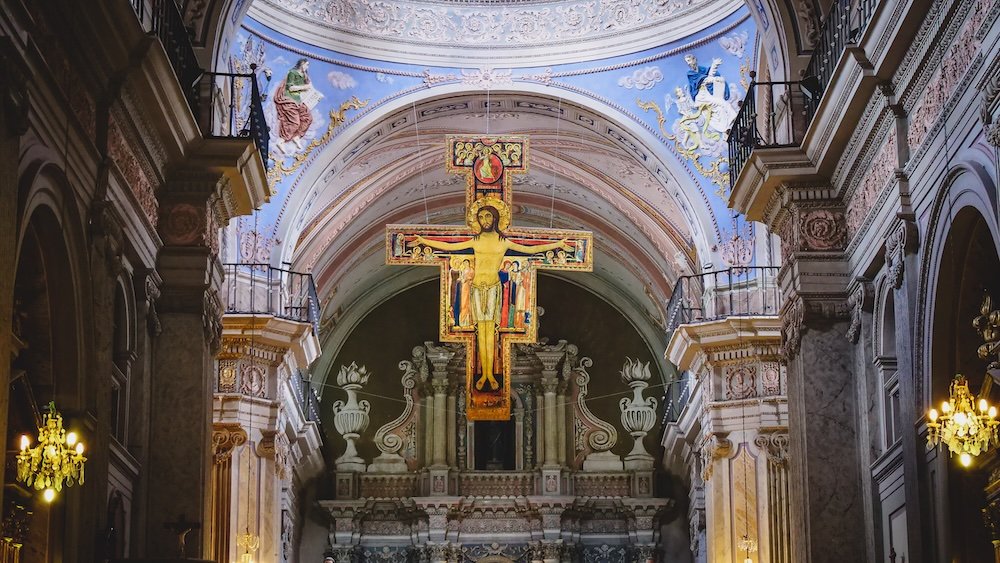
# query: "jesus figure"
x,y
489,248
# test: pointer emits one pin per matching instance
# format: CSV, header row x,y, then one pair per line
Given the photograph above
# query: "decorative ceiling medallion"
x,y
419,31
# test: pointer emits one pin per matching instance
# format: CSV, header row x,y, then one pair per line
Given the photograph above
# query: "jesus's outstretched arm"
x,y
439,245
539,248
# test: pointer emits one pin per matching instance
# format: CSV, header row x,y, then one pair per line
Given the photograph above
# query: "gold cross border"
x,y
446,334
482,146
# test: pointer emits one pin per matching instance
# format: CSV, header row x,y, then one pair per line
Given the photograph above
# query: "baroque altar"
x,y
542,486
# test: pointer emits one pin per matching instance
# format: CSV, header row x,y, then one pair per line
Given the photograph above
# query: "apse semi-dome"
x,y
514,33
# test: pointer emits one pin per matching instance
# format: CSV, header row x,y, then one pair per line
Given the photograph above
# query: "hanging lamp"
x,y
56,460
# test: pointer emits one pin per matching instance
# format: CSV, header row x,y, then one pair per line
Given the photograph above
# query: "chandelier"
x,y
57,459
966,430
748,546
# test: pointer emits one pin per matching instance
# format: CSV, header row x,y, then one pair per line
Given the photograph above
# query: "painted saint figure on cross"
x,y
497,309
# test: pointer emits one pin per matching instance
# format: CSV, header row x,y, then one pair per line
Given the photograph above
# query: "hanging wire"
x,y
552,198
253,366
420,167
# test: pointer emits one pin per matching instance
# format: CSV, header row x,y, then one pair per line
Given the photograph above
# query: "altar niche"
x,y
495,445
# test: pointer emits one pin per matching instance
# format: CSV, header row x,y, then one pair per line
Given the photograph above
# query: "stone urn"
x,y
638,413
351,418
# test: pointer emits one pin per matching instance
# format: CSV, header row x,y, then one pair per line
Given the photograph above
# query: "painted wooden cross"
x,y
488,268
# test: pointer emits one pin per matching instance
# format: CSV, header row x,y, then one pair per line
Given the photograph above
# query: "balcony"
x,y
781,115
261,289
711,296
225,105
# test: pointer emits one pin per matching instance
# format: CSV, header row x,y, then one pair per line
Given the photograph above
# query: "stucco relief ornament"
x,y
714,448
182,224
894,255
791,329
822,230
740,382
855,301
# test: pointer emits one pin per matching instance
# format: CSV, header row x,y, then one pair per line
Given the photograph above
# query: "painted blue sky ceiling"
x,y
658,89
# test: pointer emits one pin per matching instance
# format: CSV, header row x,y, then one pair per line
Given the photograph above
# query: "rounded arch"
x,y
51,234
962,259
638,142
964,190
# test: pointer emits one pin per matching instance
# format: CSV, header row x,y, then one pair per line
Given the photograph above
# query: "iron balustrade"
x,y
226,105
772,115
261,289
676,399
308,400
777,114
735,292
843,26
231,105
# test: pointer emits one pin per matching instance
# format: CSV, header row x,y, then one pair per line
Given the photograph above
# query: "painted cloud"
x,y
341,80
642,79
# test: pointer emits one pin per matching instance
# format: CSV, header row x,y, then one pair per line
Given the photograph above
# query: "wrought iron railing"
x,y
725,293
230,105
265,290
777,114
226,105
772,115
310,402
843,26
676,398
163,19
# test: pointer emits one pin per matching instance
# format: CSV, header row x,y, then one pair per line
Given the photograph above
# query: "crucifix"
x,y
488,268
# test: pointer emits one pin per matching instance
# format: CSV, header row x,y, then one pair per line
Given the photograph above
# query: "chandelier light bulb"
x,y
967,426
53,463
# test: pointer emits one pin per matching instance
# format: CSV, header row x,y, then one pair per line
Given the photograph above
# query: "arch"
x,y
961,259
702,231
51,224
964,189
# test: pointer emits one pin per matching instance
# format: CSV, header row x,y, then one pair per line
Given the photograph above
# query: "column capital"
x,y
225,438
800,308
775,446
549,385
859,299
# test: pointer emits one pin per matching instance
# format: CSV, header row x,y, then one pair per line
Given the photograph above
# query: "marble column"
x,y
825,480
561,422
438,470
450,430
549,385
13,123
439,457
181,382
539,427
427,402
